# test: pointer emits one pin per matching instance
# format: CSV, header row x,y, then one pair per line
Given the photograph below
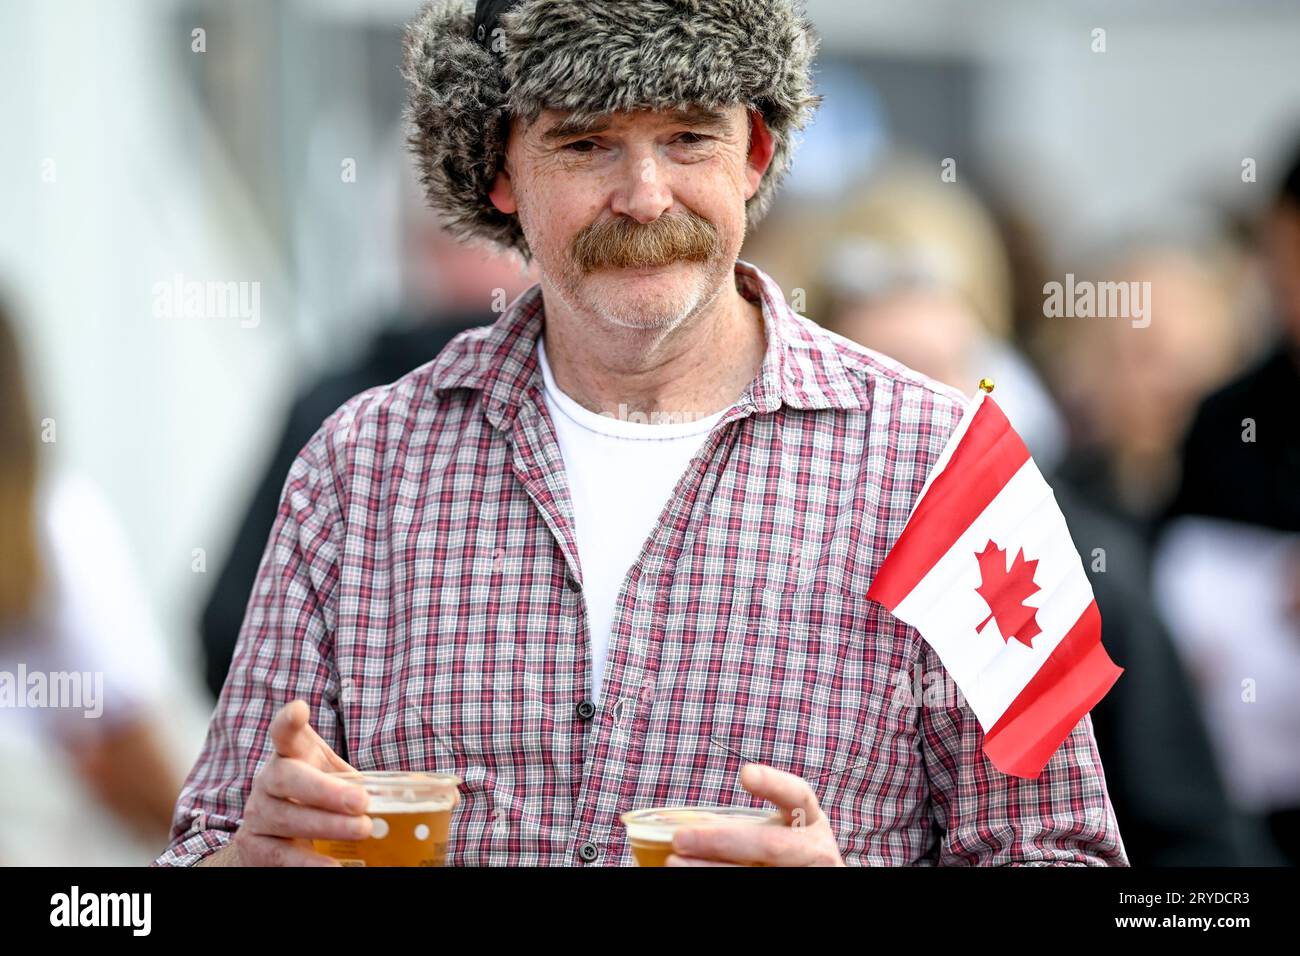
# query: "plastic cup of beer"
x,y
410,814
650,832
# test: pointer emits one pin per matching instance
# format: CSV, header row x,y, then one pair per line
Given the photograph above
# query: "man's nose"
x,y
644,194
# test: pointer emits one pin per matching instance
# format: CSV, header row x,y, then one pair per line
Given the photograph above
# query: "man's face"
x,y
637,218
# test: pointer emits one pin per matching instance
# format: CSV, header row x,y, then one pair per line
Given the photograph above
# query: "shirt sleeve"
x,y
284,651
987,818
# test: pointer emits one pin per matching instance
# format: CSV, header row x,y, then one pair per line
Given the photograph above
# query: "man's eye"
x,y
580,146
695,139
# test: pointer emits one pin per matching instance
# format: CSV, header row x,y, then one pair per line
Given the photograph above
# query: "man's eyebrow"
x,y
569,127
699,116
703,116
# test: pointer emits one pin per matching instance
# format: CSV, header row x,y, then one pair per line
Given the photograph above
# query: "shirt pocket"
x,y
807,683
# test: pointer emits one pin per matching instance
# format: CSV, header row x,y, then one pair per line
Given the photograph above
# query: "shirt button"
x,y
574,586
588,851
585,710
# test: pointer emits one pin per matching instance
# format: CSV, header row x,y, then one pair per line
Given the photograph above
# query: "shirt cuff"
x,y
191,849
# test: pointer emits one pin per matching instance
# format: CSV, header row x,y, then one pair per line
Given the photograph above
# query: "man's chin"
x,y
652,282
653,297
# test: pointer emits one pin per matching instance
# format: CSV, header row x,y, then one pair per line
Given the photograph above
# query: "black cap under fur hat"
x,y
468,71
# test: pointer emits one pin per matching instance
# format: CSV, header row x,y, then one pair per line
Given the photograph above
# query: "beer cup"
x,y
650,832
410,813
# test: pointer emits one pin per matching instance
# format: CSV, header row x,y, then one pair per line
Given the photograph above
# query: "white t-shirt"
x,y
621,474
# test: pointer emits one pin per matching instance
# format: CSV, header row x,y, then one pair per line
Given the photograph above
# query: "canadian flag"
x,y
986,571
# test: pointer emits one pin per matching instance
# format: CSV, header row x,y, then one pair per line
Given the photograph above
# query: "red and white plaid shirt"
x,y
421,591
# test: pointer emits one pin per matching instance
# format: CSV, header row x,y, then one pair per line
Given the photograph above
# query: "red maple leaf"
x,y
1005,591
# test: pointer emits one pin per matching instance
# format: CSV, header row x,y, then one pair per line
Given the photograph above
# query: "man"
x,y
508,566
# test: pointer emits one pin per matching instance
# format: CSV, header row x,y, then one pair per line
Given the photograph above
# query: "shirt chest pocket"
x,y
804,681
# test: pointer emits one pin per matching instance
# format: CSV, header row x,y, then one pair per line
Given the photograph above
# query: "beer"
x,y
650,832
411,816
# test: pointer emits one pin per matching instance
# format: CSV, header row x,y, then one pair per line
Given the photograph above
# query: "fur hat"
x,y
468,72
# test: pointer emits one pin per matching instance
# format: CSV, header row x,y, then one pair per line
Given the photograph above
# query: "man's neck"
x,y
696,368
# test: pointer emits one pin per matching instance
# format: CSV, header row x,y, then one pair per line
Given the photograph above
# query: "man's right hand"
x,y
294,800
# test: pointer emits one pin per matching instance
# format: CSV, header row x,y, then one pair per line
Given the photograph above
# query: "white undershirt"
x,y
621,473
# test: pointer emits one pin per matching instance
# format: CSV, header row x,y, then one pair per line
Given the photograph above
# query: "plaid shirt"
x,y
421,590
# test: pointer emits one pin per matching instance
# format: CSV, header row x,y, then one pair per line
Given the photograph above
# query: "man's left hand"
x,y
805,840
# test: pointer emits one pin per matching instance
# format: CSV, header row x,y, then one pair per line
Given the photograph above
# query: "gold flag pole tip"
x,y
986,386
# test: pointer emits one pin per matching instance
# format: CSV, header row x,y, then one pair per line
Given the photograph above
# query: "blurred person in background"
x,y
1256,482
88,779
905,243
1129,390
1228,566
449,286
917,272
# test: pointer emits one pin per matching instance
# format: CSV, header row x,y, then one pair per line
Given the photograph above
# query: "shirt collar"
x,y
802,366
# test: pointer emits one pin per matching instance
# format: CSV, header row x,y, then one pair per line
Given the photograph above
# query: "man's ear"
x,y
761,148
503,193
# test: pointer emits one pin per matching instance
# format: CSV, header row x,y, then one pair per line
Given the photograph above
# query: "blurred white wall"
x,y
112,184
